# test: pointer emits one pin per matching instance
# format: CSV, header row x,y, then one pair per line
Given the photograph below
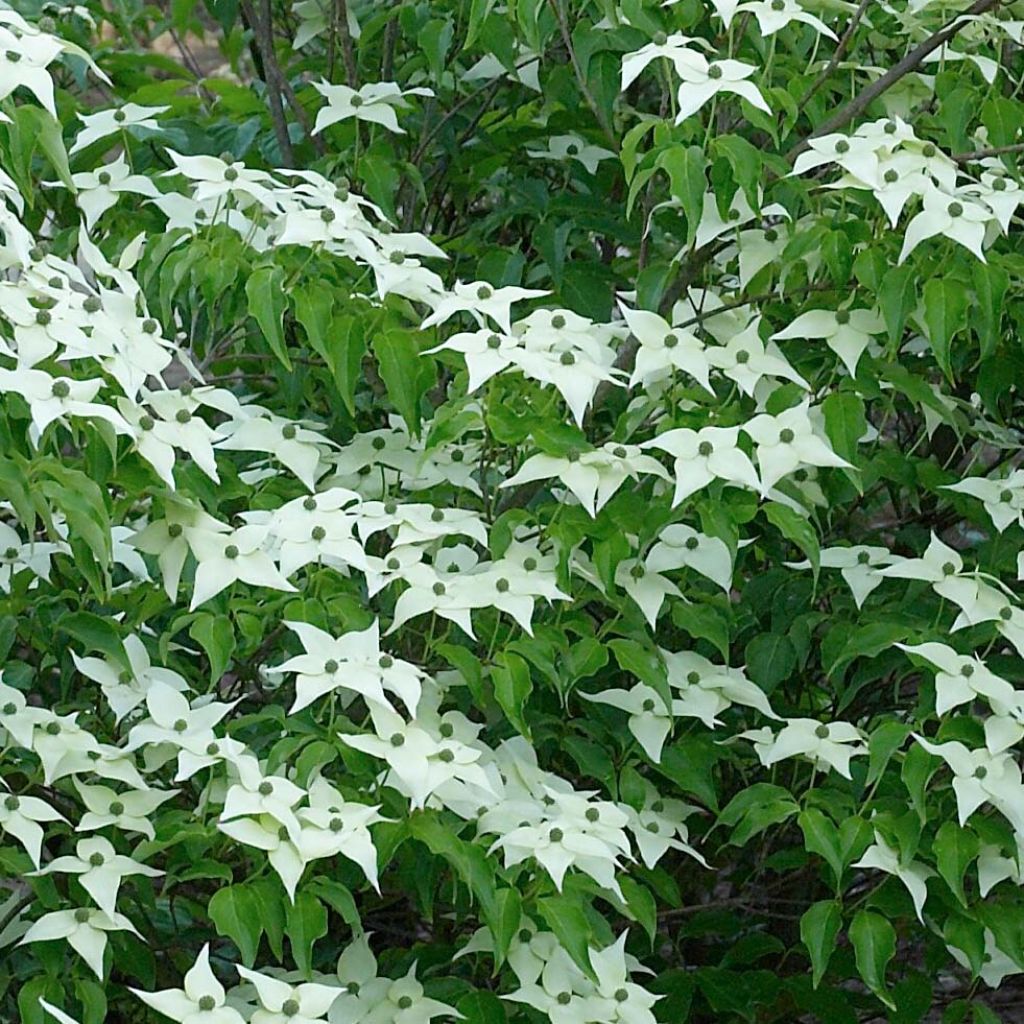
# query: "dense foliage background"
x,y
511,511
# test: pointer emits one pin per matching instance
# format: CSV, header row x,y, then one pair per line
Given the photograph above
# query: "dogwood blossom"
x,y
201,999
99,869
374,102
829,746
84,930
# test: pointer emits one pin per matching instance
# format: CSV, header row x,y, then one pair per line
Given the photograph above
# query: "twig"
x,y
581,80
840,52
911,61
981,154
348,53
264,39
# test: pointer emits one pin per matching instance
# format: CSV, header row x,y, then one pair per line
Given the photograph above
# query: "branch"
x,y
981,154
909,63
347,51
840,52
581,80
264,39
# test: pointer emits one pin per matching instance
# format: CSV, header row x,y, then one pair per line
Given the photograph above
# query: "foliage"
x,y
511,511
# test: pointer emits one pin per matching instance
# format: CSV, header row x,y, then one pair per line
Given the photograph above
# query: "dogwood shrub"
x,y
511,512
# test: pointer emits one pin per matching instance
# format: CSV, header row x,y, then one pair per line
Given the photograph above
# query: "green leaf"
x,y
504,921
265,293
794,527
42,131
685,166
566,918
216,636
945,314
96,633
756,808
770,658
955,848
822,837
402,370
845,423
235,913
469,861
512,688
645,664
874,945
897,296
745,161
306,922
819,927
482,1008
990,286
314,310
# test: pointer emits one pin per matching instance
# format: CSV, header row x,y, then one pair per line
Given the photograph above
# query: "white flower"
x,y
786,442
286,856
981,777
85,932
847,332
225,558
573,147
127,811
679,545
281,1003
710,453
701,82
24,59
674,48
912,874
201,1001
485,352
644,586
745,359
594,476
664,347
705,689
961,678
352,662
956,217
100,869
125,690
1003,499
482,301
188,729
420,760
831,745
20,817
858,565
773,15
374,102
292,444
105,123
649,720
99,190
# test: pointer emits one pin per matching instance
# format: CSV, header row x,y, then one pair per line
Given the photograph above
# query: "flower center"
x,y
231,552
821,732
265,788
290,1007
714,72
786,436
207,1003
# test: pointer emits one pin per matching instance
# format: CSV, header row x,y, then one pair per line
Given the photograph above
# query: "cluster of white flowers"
x,y
886,158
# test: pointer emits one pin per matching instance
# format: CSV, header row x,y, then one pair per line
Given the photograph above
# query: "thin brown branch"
x,y
581,79
982,154
840,52
348,53
262,29
909,63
